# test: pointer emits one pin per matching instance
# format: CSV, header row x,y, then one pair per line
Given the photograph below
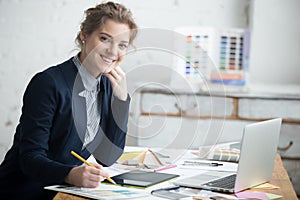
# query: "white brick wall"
x,y
34,35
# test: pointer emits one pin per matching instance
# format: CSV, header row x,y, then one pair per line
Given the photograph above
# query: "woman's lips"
x,y
107,60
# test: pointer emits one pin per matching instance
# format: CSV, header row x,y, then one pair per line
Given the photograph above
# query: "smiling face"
x,y
105,47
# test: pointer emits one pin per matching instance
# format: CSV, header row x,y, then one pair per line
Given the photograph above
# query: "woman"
x,y
80,105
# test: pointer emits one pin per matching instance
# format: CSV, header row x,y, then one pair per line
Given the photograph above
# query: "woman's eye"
x,y
123,46
104,39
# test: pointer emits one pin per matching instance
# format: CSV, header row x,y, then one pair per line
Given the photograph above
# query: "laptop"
x,y
256,163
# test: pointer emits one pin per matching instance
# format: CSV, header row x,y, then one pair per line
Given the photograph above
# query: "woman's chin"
x,y
107,70
104,69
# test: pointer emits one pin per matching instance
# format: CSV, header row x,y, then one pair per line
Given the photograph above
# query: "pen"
x,y
195,163
167,188
165,168
89,164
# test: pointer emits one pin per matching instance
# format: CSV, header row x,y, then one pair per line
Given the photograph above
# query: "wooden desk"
x,y
279,178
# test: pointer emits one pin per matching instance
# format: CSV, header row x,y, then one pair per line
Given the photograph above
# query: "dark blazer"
x,y
53,122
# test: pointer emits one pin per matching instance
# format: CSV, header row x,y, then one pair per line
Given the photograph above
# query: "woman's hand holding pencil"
x,y
86,175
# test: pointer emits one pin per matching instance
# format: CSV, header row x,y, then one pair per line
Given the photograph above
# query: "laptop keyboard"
x,y
225,182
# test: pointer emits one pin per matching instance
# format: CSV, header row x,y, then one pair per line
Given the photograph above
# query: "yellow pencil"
x,y
89,164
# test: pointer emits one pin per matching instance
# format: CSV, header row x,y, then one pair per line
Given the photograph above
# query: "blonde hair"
x,y
97,16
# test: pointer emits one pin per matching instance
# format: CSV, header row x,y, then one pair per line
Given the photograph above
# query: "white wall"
x,y
275,55
37,34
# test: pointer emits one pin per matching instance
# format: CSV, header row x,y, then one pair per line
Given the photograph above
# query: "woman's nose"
x,y
113,50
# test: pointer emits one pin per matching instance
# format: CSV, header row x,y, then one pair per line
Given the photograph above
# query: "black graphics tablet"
x,y
141,178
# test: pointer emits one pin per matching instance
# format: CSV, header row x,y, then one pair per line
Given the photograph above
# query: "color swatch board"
x,y
215,55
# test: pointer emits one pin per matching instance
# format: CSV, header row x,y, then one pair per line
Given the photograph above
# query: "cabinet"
x,y
164,114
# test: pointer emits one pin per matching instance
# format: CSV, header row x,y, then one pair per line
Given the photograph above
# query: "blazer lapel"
x,y
75,85
79,108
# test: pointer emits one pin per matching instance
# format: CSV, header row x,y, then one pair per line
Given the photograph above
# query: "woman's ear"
x,y
82,36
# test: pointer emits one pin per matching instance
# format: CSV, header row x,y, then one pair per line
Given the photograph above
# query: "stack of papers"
x,y
103,192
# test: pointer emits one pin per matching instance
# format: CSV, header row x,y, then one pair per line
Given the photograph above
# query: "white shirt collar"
x,y
89,82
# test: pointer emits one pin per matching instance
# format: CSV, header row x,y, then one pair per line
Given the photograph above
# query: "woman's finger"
x,y
119,70
115,74
95,177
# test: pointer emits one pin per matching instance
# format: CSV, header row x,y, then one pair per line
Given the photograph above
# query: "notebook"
x,y
141,178
256,163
